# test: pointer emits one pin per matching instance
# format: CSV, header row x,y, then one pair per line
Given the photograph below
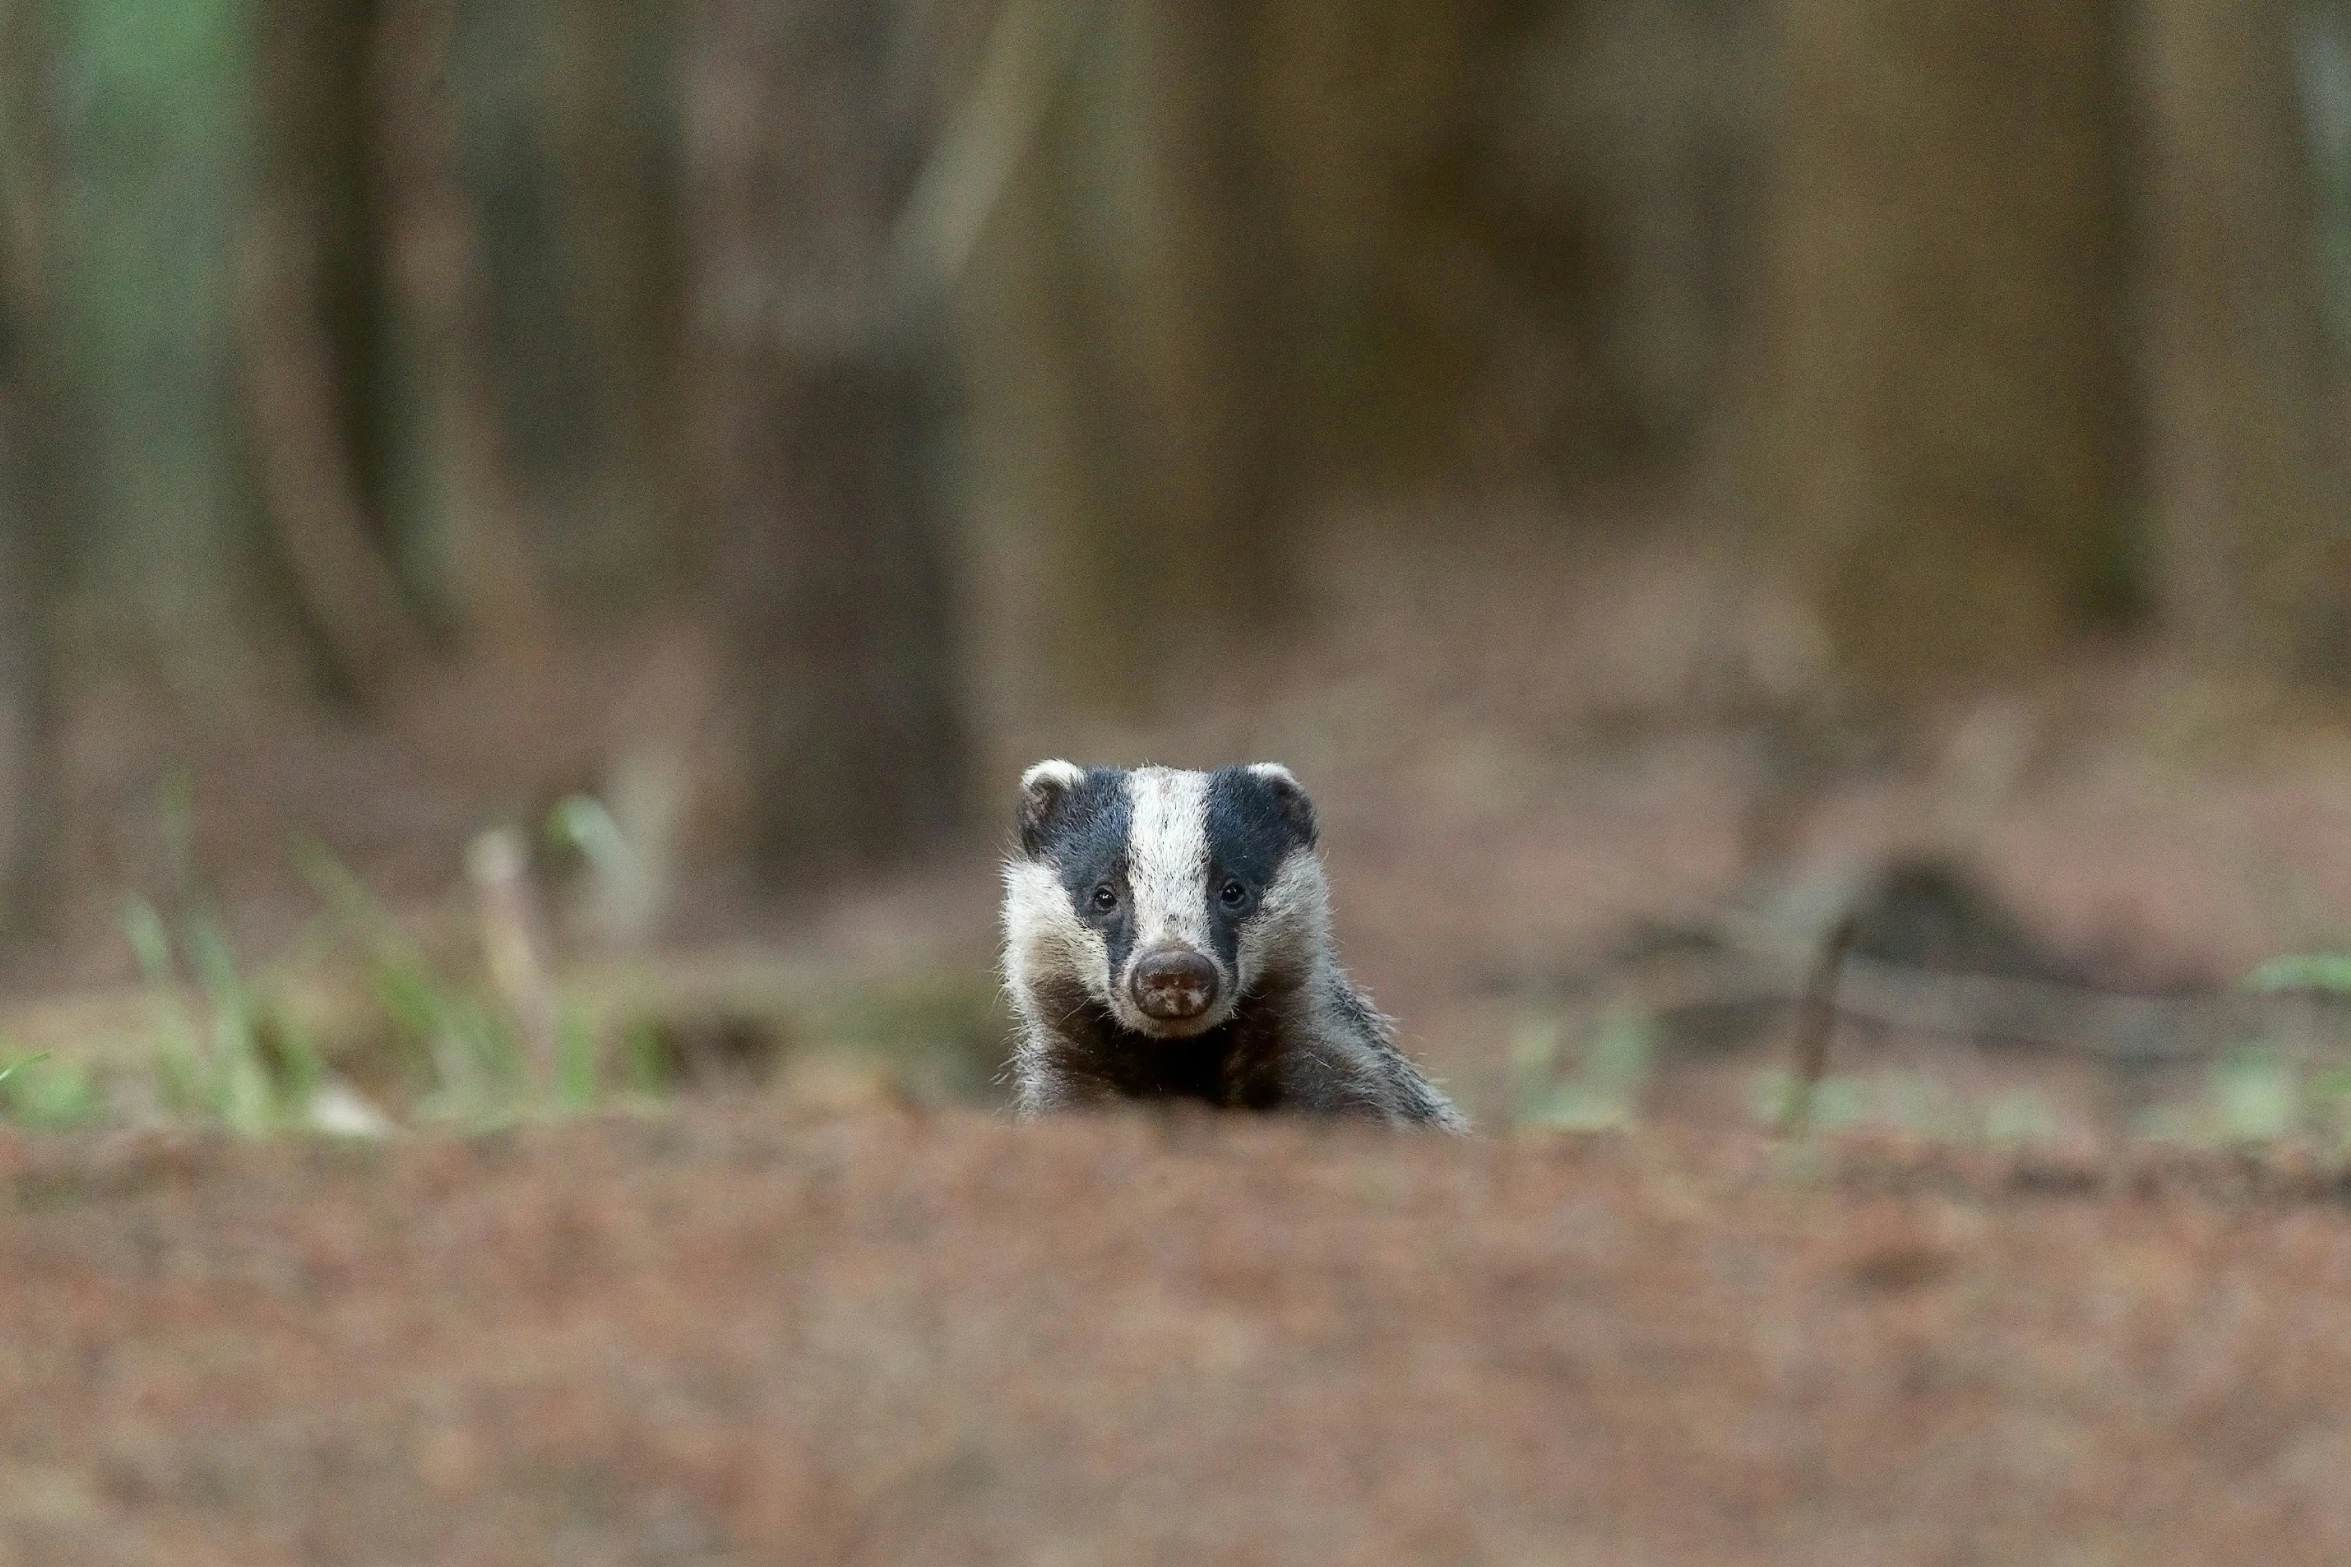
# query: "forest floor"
x,y
2062,1274
751,1336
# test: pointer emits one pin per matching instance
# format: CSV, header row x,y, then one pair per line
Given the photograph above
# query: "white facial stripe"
x,y
1167,858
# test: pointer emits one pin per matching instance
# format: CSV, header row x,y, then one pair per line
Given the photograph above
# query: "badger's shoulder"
x,y
1343,1024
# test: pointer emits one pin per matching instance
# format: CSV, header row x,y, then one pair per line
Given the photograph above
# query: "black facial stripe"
x,y
1118,935
1088,847
1224,933
1250,833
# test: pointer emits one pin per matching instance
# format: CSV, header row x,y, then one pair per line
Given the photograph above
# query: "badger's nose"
x,y
1175,985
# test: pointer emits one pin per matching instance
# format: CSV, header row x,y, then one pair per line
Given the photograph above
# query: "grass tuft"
x,y
1603,1093
2328,973
48,1094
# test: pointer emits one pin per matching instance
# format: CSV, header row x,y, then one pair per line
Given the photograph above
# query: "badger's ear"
x,y
1044,790
1290,795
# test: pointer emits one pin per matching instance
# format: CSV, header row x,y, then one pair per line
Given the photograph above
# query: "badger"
x,y
1167,937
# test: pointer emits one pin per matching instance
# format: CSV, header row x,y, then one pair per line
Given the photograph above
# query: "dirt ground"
x,y
724,1337
850,1320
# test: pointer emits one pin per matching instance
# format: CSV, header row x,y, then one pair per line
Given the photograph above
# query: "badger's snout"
x,y
1174,984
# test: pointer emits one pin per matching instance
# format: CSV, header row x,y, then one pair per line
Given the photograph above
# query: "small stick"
x,y
514,942
1817,1020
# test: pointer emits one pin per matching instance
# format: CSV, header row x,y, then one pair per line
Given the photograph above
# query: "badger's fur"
x,y
1168,937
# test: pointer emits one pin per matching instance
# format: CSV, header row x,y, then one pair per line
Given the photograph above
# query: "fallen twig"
x,y
1751,967
514,943
1817,1020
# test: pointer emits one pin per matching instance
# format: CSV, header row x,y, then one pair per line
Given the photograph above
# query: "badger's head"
x,y
1165,896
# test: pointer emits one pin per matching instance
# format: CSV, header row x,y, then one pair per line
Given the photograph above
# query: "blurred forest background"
x,y
777,420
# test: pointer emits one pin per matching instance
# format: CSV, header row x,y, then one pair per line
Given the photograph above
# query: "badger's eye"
x,y
1105,898
1234,894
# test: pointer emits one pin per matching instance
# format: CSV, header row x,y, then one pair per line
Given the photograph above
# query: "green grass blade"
x,y
577,1080
2329,972
14,1067
186,1077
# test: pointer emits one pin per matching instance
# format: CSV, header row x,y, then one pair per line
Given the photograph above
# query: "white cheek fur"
x,y
1043,934
1290,930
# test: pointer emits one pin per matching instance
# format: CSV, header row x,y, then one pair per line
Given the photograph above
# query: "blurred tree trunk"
x,y
1167,234
2246,404
616,225
1653,112
1128,316
32,801
32,814
152,157
814,401
1037,495
1947,406
471,504
310,309
563,125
